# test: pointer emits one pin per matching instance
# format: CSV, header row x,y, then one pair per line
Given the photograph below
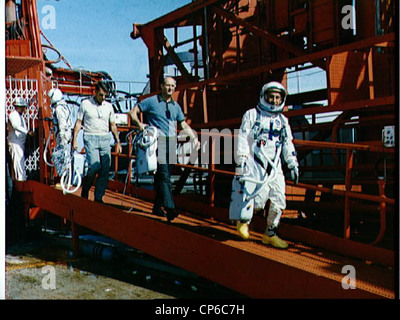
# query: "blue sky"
x,y
95,35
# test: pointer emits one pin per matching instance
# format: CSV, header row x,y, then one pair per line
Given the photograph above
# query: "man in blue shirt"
x,y
162,112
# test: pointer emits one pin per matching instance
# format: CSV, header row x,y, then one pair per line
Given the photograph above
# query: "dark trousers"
x,y
162,178
163,187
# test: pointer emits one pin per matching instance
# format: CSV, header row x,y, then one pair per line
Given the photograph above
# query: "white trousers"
x,y
274,190
18,161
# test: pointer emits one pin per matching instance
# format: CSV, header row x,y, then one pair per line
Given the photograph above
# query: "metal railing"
x,y
212,170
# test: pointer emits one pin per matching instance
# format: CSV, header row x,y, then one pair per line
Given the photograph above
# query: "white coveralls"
x,y
17,132
261,134
62,118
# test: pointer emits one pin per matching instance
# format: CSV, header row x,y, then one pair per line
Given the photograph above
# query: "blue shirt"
x,y
162,114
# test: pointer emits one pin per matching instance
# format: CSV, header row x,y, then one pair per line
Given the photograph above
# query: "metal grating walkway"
x,y
212,249
375,279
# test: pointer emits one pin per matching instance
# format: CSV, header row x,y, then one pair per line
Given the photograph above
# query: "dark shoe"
x,y
99,200
171,214
159,212
85,194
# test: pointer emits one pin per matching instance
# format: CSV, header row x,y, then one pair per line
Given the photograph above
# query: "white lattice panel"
x,y
32,161
27,89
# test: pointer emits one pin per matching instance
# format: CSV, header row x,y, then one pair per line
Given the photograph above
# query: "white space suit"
x,y
62,119
264,137
17,132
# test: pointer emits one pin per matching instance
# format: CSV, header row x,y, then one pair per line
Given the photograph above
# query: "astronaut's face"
x,y
273,97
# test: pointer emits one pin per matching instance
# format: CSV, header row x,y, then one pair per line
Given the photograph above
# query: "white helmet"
x,y
55,95
272,86
148,137
20,102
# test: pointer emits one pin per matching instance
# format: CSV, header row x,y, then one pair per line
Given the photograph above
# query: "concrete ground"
x,y
45,268
28,276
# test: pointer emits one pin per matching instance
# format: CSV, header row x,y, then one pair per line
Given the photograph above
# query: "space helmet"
x,y
55,95
272,86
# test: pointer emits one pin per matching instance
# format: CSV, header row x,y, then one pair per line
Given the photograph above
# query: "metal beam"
x,y
352,105
376,41
175,58
287,46
179,13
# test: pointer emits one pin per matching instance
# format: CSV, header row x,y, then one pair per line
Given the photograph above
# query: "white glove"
x,y
294,172
241,162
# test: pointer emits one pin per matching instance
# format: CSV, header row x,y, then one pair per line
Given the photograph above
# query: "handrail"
x,y
340,145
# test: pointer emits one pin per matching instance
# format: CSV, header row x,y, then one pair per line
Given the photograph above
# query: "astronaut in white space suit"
x,y
17,131
63,122
264,137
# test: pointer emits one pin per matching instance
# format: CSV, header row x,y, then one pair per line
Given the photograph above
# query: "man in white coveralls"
x,y
17,132
264,136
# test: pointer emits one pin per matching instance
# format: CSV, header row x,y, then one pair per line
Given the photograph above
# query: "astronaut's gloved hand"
x,y
241,162
294,172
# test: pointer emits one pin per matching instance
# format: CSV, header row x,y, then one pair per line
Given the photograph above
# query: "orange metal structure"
x,y
221,53
236,46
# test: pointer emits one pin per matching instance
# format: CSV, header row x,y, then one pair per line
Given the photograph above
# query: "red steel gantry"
x,y
234,47
228,50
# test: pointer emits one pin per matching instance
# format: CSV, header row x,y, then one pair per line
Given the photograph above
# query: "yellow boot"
x,y
274,241
243,229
